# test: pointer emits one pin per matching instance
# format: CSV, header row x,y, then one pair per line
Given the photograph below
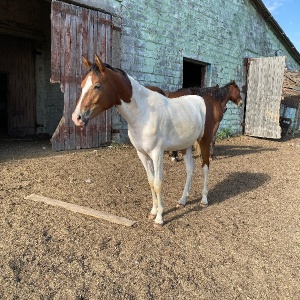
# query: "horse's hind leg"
x,y
205,152
189,164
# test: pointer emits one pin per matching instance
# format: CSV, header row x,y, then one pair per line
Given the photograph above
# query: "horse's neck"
x,y
134,110
224,101
222,97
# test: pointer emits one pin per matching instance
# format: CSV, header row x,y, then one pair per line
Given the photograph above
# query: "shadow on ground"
x,y
235,184
231,151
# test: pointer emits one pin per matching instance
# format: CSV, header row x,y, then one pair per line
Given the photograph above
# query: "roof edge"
x,y
277,29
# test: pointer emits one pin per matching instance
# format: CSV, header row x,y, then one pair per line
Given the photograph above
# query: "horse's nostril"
x,y
78,118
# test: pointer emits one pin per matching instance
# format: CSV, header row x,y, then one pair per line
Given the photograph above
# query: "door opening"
x,y
193,73
3,104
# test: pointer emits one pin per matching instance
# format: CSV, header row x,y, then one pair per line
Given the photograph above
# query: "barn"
x,y
170,44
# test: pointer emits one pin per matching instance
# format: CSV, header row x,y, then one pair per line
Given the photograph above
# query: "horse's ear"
x,y
86,62
101,66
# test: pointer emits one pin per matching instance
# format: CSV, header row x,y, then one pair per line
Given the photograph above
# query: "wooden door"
x,y
77,31
264,94
17,63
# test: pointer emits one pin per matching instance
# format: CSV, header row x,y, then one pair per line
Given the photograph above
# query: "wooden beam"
x,y
82,209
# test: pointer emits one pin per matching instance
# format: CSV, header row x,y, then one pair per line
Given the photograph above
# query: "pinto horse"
x,y
215,97
155,124
196,90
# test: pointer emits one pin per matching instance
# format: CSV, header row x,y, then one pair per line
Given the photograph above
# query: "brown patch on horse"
x,y
156,89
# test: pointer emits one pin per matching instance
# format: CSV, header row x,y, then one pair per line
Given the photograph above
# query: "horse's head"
x,y
235,94
102,88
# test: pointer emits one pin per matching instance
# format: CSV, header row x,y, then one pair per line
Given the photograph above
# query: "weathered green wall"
x,y
156,35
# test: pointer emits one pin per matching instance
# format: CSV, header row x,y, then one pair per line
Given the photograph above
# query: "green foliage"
x,y
224,133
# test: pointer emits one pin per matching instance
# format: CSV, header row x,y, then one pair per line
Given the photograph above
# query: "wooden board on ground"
x,y
82,209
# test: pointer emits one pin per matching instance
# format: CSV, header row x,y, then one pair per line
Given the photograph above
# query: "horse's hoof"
x,y
179,205
151,217
203,204
158,226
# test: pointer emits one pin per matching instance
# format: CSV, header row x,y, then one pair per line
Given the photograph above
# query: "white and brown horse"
x,y
217,97
155,124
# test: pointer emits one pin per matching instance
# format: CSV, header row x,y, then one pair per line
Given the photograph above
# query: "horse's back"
x,y
186,117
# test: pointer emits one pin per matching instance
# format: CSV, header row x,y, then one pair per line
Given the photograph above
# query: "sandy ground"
x,y
245,245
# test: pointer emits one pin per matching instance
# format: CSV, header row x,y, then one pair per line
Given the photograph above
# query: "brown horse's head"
x,y
102,88
235,94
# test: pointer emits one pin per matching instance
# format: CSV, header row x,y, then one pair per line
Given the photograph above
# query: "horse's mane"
x,y
94,68
206,90
197,90
223,91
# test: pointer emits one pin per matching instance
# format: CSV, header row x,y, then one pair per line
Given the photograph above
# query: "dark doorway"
x,y
17,60
193,73
3,103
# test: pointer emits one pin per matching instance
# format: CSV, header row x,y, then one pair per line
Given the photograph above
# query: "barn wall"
x,y
157,35
154,38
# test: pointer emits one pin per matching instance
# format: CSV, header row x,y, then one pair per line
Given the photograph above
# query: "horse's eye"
x,y
97,86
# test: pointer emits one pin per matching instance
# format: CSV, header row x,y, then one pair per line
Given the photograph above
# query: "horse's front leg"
x,y
148,165
189,165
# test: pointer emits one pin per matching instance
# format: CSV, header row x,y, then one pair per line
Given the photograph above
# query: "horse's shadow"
x,y
231,151
235,184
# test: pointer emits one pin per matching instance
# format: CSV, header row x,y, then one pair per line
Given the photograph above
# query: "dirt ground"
x,y
244,245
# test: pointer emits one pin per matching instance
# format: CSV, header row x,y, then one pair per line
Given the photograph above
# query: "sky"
x,y
287,15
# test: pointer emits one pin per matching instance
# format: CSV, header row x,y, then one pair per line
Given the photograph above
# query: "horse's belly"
x,y
183,141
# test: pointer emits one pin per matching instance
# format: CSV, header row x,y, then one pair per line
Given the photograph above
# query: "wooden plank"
x,y
82,209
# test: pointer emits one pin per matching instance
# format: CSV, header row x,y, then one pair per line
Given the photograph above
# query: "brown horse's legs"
x,y
212,145
174,155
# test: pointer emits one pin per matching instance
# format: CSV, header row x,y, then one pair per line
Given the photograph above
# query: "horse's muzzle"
x,y
80,120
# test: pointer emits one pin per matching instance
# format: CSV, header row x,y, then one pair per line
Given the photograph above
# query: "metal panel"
x,y
264,93
17,61
78,31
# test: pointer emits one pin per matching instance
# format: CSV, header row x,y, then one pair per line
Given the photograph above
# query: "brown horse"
x,y
218,100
